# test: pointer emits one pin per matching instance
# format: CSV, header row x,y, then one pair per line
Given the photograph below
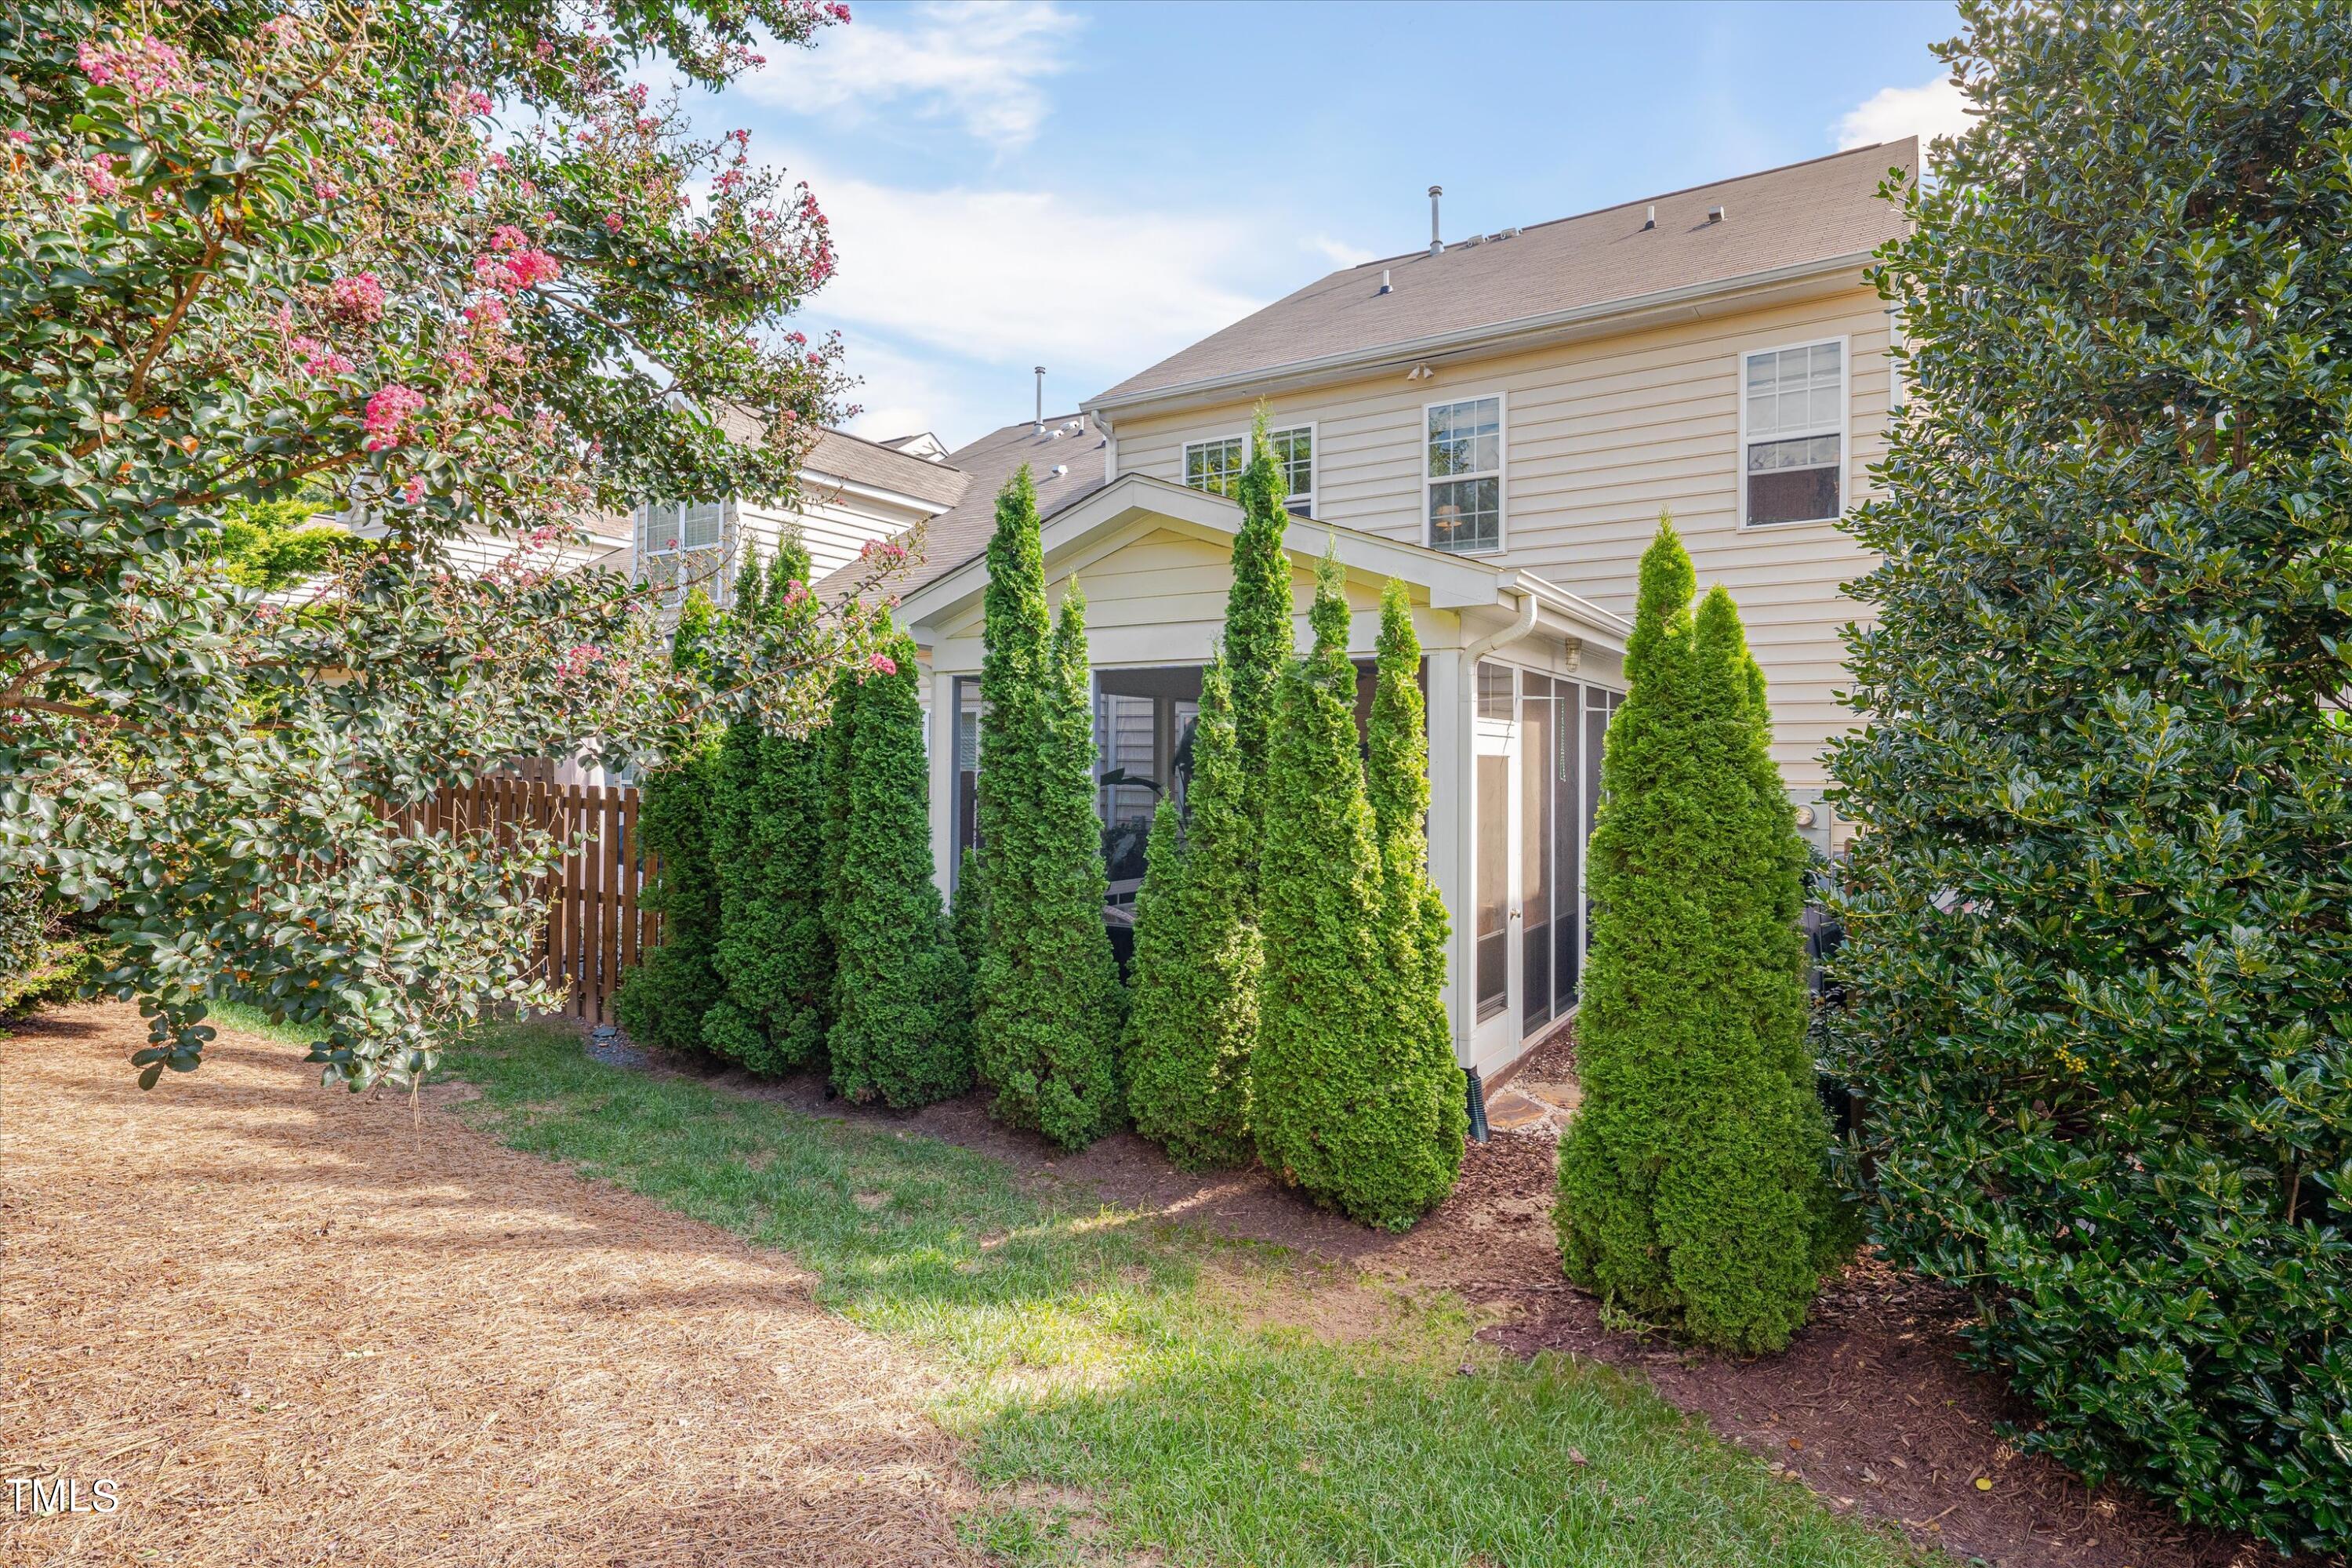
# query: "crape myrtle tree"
x,y
773,955
444,263
1344,1103
2099,922
902,997
1693,1183
1048,1002
1192,1022
665,999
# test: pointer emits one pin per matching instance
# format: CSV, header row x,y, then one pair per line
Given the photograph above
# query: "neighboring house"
x,y
1497,423
852,492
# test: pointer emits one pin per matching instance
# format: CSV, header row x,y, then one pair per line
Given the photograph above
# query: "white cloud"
x,y
981,66
1337,252
1932,109
1033,276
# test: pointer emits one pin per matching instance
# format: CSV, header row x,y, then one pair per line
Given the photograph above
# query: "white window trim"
x,y
645,546
1843,429
1314,458
1502,472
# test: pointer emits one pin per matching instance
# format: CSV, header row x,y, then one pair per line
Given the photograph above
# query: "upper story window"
x,y
1217,464
1793,434
1464,476
665,527
1295,450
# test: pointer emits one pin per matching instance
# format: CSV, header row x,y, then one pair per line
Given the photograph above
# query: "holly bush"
x,y
2099,922
449,265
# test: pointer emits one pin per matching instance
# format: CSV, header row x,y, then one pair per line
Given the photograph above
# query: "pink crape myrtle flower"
x,y
507,237
413,490
613,223
359,298
882,663
98,177
143,68
388,413
317,359
19,135
468,181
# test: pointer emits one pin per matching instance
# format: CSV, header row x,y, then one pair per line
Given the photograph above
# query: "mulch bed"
x,y
296,1326
1870,1405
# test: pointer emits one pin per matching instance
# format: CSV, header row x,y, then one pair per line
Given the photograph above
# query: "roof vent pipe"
x,y
1715,214
1651,221
1040,400
1436,245
1385,289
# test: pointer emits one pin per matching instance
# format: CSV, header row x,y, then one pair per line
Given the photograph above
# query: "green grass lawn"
x,y
1126,1385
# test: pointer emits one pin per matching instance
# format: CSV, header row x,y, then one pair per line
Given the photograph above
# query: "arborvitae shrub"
x,y
1193,1021
773,953
968,917
2098,919
663,1001
1692,1183
901,1030
1259,644
1341,1100
1412,918
1048,1000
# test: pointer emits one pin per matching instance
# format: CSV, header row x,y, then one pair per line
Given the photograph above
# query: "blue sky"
x,y
1091,187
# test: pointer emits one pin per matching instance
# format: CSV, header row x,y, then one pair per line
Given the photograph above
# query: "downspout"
x,y
1521,625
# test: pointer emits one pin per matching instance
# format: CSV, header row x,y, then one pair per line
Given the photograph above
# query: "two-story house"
x,y
1497,422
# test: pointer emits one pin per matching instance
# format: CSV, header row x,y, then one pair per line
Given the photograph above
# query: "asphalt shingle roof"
x,y
841,455
961,532
1781,217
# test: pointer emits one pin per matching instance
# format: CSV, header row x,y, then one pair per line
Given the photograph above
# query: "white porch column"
x,y
943,781
1450,850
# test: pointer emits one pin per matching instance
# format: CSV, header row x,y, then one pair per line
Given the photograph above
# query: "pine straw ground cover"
x,y
1111,1388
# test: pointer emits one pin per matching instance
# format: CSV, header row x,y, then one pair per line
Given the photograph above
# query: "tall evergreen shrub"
x,y
1259,641
773,953
901,1029
1048,1002
1692,1183
968,917
663,1001
1343,1099
2099,921
1195,1018
1396,778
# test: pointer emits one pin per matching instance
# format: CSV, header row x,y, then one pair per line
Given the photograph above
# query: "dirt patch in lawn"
x,y
294,1326
1870,1405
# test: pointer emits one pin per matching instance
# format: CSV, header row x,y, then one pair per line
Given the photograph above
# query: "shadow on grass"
x,y
1160,1376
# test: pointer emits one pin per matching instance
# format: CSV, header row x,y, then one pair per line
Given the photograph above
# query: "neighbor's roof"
x,y
1071,442
1805,213
838,455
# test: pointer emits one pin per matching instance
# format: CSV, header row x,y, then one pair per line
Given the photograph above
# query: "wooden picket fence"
x,y
597,926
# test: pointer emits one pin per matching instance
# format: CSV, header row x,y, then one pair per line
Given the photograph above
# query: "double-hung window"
x,y
1217,464
1793,434
667,527
1464,483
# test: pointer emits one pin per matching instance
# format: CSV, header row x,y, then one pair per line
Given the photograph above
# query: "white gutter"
x,y
1524,623
1210,388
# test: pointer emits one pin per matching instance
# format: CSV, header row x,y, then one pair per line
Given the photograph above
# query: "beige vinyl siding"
x,y
1160,599
1599,436
833,526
